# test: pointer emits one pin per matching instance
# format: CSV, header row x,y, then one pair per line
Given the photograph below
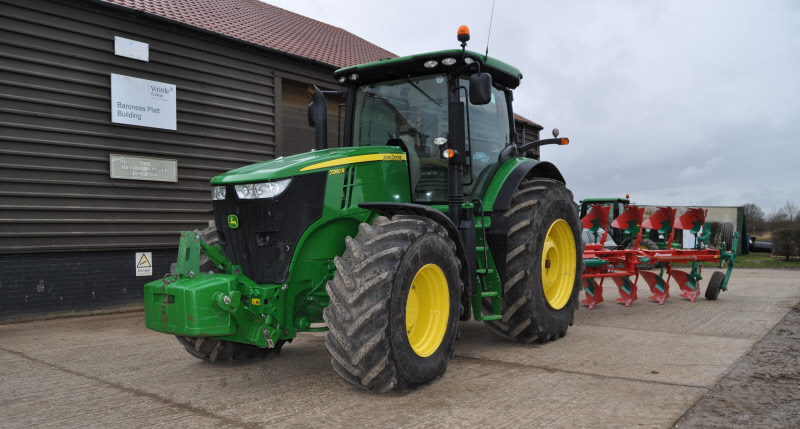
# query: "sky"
x,y
673,102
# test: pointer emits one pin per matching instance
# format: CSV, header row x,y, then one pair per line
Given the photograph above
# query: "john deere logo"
x,y
233,221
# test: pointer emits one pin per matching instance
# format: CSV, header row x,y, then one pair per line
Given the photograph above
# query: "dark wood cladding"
x,y
56,134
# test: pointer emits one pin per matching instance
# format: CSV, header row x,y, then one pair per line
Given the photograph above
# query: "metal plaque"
x,y
140,168
131,49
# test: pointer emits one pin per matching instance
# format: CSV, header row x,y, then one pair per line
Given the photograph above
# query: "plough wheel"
x,y
395,304
726,235
542,274
714,285
221,351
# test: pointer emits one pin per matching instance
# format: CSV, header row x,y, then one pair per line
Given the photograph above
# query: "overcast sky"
x,y
675,102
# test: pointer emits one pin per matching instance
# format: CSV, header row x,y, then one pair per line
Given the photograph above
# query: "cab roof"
x,y
413,65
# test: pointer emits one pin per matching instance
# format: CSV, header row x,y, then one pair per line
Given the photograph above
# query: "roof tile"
x,y
267,25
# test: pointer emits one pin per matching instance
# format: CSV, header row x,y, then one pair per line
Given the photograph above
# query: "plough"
x,y
621,264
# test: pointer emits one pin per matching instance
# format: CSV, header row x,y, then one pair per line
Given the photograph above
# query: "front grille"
x,y
269,229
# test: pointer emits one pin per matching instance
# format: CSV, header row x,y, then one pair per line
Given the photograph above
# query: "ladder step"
x,y
489,294
480,248
483,271
492,317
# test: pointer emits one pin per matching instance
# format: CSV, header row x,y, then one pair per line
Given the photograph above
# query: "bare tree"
x,y
791,210
777,219
753,214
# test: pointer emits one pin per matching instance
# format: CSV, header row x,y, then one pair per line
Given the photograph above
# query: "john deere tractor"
x,y
429,214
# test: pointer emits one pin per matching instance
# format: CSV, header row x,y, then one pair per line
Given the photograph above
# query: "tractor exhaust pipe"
x,y
318,116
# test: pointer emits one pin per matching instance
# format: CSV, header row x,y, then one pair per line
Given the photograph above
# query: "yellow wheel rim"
x,y
427,310
558,264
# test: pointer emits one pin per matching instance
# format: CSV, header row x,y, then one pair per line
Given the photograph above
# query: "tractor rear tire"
x,y
542,274
221,351
714,285
648,244
394,306
726,235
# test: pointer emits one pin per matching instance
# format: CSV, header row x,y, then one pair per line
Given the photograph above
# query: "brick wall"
x,y
34,285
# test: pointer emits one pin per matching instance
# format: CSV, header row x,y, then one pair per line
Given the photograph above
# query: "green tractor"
x,y
651,239
429,214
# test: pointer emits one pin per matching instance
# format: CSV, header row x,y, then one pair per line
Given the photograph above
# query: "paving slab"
x,y
641,366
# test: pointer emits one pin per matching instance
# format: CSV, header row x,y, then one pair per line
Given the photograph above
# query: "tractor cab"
x,y
443,109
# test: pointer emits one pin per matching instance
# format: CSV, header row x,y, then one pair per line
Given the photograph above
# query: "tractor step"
x,y
491,317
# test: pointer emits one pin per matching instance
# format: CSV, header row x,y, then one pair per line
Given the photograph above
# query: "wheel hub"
x,y
427,310
558,264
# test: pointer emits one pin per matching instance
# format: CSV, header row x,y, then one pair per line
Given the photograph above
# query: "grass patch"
x,y
765,260
754,260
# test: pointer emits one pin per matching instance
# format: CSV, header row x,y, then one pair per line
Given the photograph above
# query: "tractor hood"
x,y
309,162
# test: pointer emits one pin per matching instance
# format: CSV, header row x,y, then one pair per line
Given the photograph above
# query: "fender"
x,y
508,181
452,231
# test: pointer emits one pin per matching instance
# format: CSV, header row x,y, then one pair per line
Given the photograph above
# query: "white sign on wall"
x,y
688,239
144,264
131,49
143,102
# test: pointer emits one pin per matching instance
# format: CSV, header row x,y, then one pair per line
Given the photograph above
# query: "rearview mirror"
x,y
480,88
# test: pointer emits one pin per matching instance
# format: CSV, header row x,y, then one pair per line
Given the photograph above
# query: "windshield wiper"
x,y
420,90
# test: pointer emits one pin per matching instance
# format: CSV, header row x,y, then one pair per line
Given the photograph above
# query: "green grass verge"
x,y
765,260
755,260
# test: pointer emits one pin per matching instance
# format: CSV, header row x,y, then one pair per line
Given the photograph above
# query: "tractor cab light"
x,y
627,195
431,64
342,79
448,153
449,61
564,141
354,76
463,34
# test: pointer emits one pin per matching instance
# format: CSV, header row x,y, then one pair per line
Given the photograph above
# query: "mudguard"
x,y
508,177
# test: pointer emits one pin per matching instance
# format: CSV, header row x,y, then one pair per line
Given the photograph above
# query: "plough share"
x,y
622,264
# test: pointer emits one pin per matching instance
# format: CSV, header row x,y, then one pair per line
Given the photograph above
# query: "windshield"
x,y
409,113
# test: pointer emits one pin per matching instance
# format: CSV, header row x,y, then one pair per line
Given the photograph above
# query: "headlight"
x,y
253,191
217,193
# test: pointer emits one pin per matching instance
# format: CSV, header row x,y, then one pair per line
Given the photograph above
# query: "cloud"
x,y
674,102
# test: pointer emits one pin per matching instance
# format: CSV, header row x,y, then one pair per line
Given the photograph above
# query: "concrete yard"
x,y
642,366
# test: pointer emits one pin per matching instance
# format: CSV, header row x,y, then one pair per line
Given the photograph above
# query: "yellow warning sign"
x,y
143,262
144,265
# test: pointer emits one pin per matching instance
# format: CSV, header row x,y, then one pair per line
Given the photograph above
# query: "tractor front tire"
x,y
394,304
648,244
544,262
221,351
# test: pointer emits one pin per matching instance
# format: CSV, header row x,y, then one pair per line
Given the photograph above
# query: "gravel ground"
x,y
762,390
